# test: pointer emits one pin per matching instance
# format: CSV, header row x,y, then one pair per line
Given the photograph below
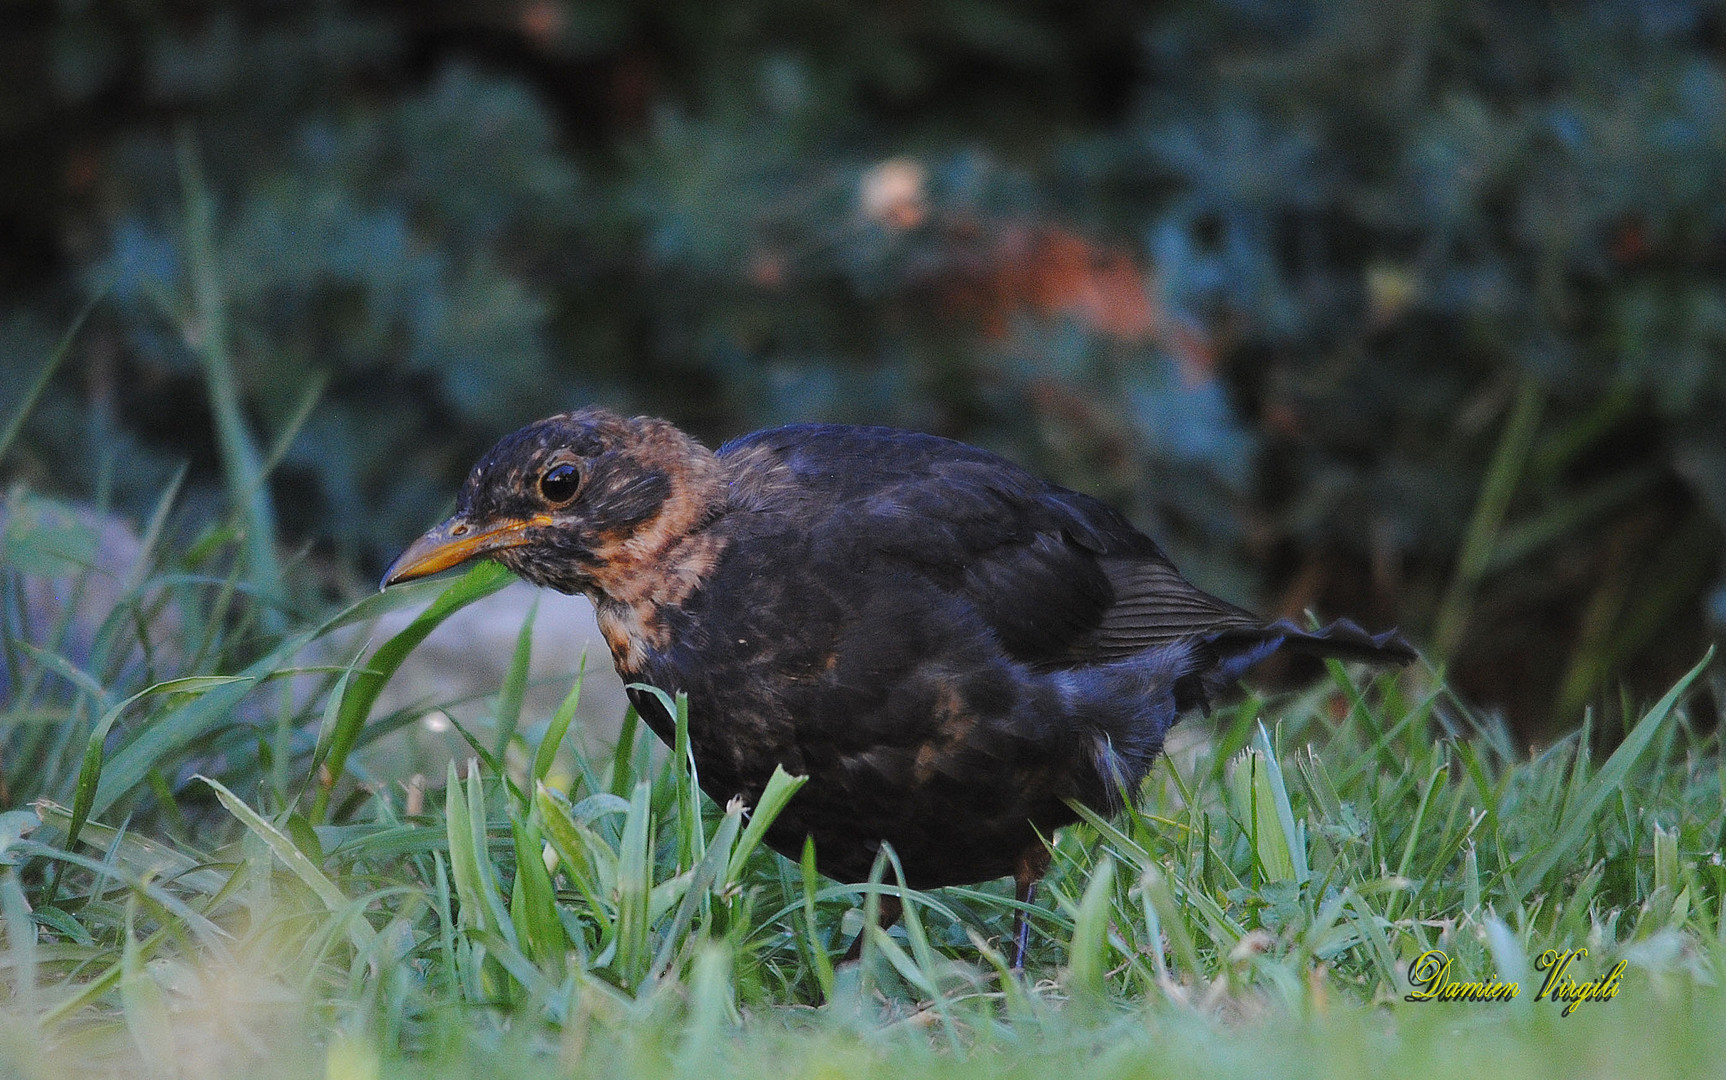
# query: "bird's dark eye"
x,y
559,483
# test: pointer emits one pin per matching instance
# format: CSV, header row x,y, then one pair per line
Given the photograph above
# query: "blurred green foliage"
x,y
1411,310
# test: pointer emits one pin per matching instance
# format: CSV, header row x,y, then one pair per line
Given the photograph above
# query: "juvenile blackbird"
x,y
948,647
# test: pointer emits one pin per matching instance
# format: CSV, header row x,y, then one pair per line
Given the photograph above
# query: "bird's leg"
x,y
1032,864
891,906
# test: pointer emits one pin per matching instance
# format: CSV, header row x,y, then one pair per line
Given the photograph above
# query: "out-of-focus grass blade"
x,y
1509,460
359,931
350,1057
208,933
69,671
1509,960
1087,957
362,691
242,467
289,430
27,403
178,727
711,1007
147,1017
135,853
1160,902
1471,882
20,941
139,571
1665,860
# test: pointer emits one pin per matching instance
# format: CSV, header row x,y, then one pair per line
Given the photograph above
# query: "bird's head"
x,y
580,502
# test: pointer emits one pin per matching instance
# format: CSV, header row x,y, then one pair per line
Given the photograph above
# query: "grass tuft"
x,y
563,910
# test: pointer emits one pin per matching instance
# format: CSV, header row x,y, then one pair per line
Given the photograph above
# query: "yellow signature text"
x,y
1558,986
1429,974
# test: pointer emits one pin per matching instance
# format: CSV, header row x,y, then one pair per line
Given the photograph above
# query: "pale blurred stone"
x,y
457,671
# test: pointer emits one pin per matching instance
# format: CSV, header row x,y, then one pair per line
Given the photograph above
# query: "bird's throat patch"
x,y
633,623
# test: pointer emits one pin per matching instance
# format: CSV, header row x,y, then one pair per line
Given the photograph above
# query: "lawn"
x,y
200,879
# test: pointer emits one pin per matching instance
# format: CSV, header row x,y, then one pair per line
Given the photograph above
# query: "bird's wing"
x,y
1154,606
1060,578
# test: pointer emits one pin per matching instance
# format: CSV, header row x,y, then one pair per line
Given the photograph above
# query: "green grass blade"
x,y
38,385
1434,784
1160,900
359,931
514,687
84,798
330,721
178,728
1087,955
696,892
623,754
546,755
242,468
1503,475
20,942
478,582
819,959
780,787
712,1008
1282,842
480,854
634,889
144,1006
681,775
533,903
574,842
1567,840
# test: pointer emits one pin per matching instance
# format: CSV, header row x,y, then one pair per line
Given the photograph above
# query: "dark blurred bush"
x,y
1411,310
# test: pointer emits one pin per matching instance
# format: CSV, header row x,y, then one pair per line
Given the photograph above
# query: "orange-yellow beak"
x,y
455,542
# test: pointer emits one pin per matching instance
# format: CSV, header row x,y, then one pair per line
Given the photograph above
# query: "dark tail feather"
x,y
1237,649
1342,639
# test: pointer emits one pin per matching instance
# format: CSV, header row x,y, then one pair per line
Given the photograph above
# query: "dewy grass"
x,y
1256,909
